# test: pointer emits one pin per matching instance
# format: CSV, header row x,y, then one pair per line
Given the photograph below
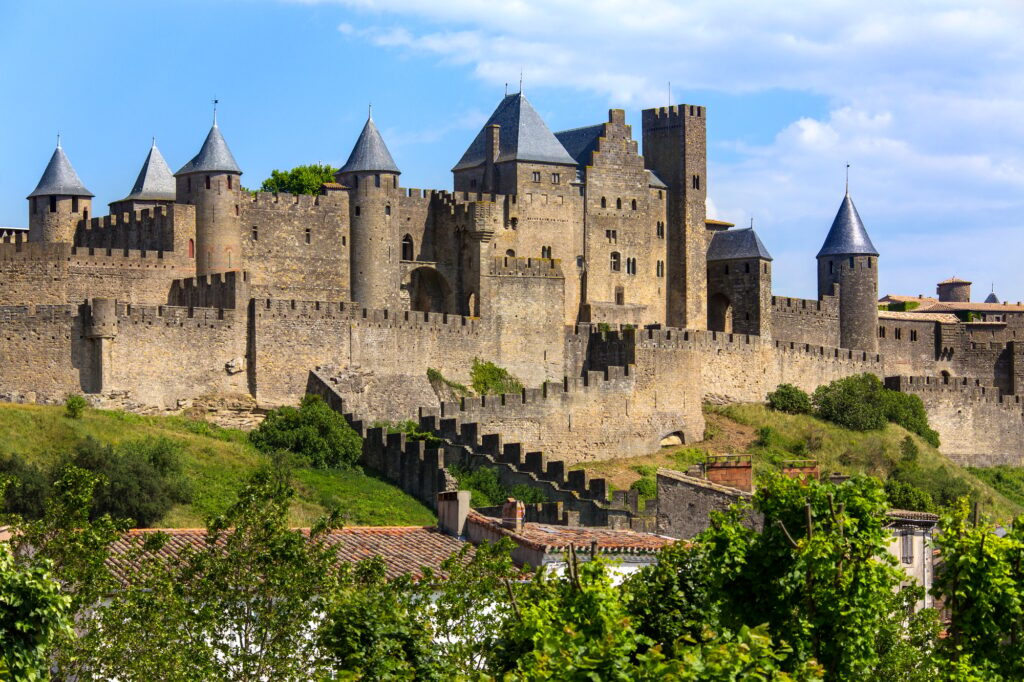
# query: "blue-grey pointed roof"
x,y
523,137
155,181
60,178
992,298
213,157
847,236
370,153
733,244
581,142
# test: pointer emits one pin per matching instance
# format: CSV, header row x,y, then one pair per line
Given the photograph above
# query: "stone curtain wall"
x,y
977,426
43,355
806,320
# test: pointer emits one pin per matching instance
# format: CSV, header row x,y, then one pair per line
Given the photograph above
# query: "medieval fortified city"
x,y
582,435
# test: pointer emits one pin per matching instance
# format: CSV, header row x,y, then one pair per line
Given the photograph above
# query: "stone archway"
x,y
719,313
429,291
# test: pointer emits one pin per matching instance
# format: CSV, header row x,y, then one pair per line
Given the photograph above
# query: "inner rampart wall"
x,y
43,355
813,321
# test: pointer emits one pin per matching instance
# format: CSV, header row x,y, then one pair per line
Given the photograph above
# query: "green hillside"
x,y
215,461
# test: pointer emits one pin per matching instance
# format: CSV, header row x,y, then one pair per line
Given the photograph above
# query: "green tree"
x,y
314,431
299,180
788,398
856,402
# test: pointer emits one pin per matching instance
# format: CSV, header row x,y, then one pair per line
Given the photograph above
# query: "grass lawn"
x,y
216,461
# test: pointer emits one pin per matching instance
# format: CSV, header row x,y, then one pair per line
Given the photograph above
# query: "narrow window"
x,y
616,261
188,183
514,223
881,332
255,233
634,204
766,268
618,204
230,186
74,204
376,180
726,270
33,204
907,547
556,178
472,183
620,296
387,210
696,182
579,261
536,176
207,182
358,210
309,236
355,181
898,334
746,267
851,262
830,268
661,230
85,214
407,248
660,268
659,195
191,248
229,259
913,335
53,204
237,211
869,261
604,203
344,240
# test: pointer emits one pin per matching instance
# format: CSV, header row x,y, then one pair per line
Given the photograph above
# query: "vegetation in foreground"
x,y
208,465
812,597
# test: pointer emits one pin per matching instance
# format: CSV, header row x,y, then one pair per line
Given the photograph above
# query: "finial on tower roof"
x,y
58,139
154,141
369,110
215,103
847,178
751,222
520,80
506,88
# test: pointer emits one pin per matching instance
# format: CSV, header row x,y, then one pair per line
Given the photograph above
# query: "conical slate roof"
x,y
523,137
992,298
214,157
370,153
155,182
847,236
60,178
731,244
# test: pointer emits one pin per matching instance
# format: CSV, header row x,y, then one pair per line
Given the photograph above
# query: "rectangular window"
x,y
536,176
376,180
556,178
229,182
309,236
881,332
696,182
907,547
53,204
207,182
913,335
898,334
74,204
255,233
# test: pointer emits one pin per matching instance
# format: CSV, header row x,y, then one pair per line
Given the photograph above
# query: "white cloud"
x,y
925,101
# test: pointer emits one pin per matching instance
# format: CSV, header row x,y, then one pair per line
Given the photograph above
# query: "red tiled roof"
x,y
912,515
943,306
547,538
404,549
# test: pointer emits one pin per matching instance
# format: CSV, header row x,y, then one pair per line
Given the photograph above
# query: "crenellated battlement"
x,y
173,316
217,290
516,266
826,305
963,387
151,229
16,248
408,319
671,115
299,202
26,314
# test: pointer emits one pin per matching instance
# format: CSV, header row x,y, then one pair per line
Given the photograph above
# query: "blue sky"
x,y
923,98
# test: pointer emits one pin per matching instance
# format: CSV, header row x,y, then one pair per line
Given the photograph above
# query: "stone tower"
x,y
211,182
954,290
849,259
675,148
154,187
372,178
58,203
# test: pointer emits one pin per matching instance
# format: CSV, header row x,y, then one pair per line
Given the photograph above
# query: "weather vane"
x,y
215,103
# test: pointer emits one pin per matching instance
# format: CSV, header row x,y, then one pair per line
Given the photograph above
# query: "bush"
x,y
857,403
314,431
790,399
489,379
412,432
488,491
907,410
74,406
28,489
905,496
646,486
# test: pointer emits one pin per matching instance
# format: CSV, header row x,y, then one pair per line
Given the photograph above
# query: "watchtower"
x,y
675,148
211,182
58,202
849,260
372,178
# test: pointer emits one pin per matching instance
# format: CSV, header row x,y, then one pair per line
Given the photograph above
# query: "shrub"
x,y
857,403
790,399
314,431
488,491
28,490
142,479
646,486
907,410
905,496
74,406
489,379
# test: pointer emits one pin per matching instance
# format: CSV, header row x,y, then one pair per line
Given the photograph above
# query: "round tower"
x,y
372,179
850,260
954,290
211,182
58,203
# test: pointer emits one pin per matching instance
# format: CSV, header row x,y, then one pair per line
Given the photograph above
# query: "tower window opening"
x,y
344,240
612,236
660,268
357,210
376,180
191,248
616,261
766,268
513,223
881,332
510,253
53,204
726,269
604,203
472,183
913,335
355,181
746,267
74,204
830,267
869,261
851,262
230,185
237,210
696,182
634,204
255,233
898,334
33,204
85,214
407,248
207,182
545,252
387,210
618,204
309,236
188,184
660,230
659,195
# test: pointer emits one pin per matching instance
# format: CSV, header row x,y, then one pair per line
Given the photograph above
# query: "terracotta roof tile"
x,y
544,537
946,318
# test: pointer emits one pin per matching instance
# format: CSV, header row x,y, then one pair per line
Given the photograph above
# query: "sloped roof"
x,y
155,181
847,237
732,244
213,157
370,153
954,306
550,538
914,316
581,142
654,181
60,178
992,298
523,137
955,280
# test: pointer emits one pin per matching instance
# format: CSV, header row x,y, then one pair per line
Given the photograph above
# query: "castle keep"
x,y
586,268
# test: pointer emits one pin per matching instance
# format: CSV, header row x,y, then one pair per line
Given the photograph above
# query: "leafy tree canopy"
x,y
299,180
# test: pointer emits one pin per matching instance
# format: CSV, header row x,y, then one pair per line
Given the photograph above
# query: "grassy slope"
x,y
733,429
216,461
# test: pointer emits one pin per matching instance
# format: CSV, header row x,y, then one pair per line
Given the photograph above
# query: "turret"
x,y
58,203
211,182
155,186
954,290
849,259
372,178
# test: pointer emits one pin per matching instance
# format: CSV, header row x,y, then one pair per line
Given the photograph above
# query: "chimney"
x,y
491,151
803,469
734,471
513,513
452,508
